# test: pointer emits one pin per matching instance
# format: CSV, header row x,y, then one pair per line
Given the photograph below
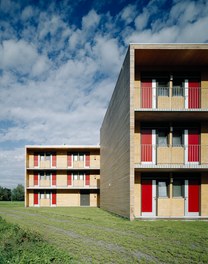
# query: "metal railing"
x,y
173,98
169,154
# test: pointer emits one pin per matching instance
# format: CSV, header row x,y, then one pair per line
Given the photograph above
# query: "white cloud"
x,y
71,69
92,19
22,57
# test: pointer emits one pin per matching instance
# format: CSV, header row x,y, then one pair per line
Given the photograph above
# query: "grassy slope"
x,y
20,247
91,235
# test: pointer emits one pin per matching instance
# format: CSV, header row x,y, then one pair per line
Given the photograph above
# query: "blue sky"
x,y
59,61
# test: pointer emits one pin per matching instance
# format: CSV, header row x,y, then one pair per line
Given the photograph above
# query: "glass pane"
x,y
81,176
75,176
81,157
48,156
162,189
178,188
162,138
75,157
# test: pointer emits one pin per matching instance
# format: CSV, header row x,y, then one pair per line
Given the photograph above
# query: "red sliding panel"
x,y
69,159
54,179
35,160
194,91
53,198
193,145
193,195
147,196
69,179
35,179
87,159
87,179
36,198
146,94
53,160
146,141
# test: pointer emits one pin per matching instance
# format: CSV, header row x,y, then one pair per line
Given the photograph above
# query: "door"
x,y
192,197
36,198
53,179
84,198
148,140
148,197
148,94
192,150
192,94
53,200
35,179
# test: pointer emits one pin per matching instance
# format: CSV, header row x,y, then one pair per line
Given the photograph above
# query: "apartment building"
x,y
154,137
62,176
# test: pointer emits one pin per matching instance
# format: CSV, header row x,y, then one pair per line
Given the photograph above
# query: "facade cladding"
x,y
153,142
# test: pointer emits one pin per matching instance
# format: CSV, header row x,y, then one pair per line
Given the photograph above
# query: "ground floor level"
x,y
45,198
165,194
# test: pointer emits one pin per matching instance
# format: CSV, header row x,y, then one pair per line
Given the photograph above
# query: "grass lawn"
x,y
91,235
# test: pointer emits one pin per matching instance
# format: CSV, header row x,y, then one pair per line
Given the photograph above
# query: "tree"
x,y
5,194
18,193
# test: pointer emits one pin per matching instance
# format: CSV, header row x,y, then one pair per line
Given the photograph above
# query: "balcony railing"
x,y
177,98
74,184
168,154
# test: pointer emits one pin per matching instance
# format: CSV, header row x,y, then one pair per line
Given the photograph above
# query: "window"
x,y
48,175
42,176
178,188
178,137
81,176
75,177
45,176
163,87
47,156
162,189
42,195
75,157
78,157
162,137
178,87
81,157
47,195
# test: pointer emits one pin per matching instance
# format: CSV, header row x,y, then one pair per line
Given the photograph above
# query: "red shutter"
x,y
54,179
193,195
35,179
35,160
194,94
36,198
87,159
87,179
53,160
146,96
69,179
193,145
146,141
53,198
146,196
69,159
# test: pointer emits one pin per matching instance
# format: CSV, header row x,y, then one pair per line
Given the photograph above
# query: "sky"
x,y
59,62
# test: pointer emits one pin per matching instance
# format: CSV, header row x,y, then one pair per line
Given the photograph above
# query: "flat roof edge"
x,y
62,146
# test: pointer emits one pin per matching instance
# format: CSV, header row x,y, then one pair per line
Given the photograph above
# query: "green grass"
x,y
91,235
20,246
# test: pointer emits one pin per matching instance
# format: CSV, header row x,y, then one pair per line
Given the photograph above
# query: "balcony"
x,y
74,184
171,102
164,157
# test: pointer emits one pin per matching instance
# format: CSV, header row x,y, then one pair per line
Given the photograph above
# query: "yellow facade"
x,y
54,183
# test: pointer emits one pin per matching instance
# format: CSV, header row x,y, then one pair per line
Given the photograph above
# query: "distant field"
x,y
91,235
